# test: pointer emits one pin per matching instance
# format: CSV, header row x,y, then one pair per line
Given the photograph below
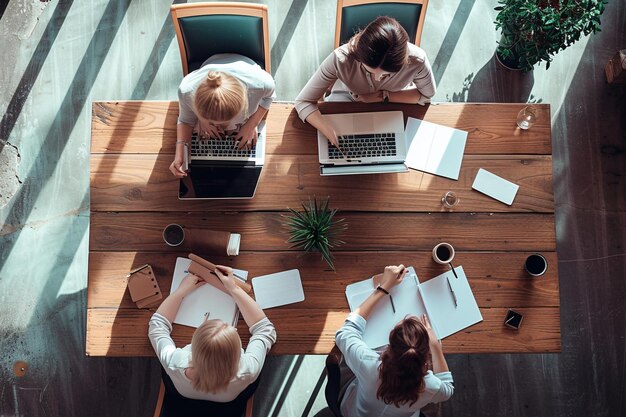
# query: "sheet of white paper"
x,y
434,148
204,300
278,289
444,316
495,186
406,300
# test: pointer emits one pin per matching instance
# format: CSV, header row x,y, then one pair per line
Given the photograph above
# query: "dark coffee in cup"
x,y
174,234
536,265
443,253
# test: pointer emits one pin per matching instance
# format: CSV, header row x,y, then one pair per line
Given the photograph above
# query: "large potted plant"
x,y
534,30
315,229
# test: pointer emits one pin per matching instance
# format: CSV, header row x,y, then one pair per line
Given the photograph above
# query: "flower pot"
x,y
510,63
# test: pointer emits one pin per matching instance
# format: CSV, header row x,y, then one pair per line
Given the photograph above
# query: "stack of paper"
x,y
278,289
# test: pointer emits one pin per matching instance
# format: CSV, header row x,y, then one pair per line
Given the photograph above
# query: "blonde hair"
x,y
215,354
220,97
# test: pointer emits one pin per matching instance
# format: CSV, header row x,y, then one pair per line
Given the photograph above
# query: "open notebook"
x,y
412,298
204,301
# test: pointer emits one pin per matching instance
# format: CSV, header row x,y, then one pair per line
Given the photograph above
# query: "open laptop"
x,y
370,143
218,170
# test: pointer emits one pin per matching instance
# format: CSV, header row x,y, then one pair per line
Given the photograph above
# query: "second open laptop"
x,y
218,170
369,143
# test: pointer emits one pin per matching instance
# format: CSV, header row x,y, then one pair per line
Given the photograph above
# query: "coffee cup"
x,y
173,234
443,253
536,265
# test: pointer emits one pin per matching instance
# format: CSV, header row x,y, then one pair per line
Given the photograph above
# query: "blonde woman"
x,y
214,366
230,93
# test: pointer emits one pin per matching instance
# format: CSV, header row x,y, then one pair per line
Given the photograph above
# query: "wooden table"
x,y
392,218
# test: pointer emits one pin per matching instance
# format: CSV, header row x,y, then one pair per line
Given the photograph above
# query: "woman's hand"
x,y
392,276
375,97
189,284
209,130
225,274
432,337
176,167
328,131
247,135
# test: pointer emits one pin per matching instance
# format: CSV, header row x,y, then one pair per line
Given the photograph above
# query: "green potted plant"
x,y
315,229
534,30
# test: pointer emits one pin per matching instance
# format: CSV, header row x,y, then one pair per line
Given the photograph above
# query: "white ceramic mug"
x,y
443,253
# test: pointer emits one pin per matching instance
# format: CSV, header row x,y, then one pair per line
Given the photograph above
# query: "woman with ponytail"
x,y
409,373
229,93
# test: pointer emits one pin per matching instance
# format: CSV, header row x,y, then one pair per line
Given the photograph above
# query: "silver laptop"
x,y
369,143
225,149
218,170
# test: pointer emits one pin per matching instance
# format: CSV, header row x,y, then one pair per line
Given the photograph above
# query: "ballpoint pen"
x,y
452,292
393,307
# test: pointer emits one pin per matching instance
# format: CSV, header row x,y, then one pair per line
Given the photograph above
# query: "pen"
x,y
453,271
393,307
452,292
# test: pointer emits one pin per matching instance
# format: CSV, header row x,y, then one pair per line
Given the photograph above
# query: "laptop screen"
x,y
215,181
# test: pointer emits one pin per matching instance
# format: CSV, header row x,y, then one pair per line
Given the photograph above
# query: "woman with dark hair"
x,y
378,64
409,373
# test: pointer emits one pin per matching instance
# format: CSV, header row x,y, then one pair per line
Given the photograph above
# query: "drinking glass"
x,y
526,117
450,199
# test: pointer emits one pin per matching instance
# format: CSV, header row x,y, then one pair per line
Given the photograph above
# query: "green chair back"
x,y
355,18
205,36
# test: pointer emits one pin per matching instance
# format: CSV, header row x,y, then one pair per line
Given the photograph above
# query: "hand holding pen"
x,y
392,276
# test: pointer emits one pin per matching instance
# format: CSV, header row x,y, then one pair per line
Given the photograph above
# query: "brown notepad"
x,y
143,287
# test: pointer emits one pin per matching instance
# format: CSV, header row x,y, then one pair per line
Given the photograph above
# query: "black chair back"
x,y
205,36
333,385
355,18
175,405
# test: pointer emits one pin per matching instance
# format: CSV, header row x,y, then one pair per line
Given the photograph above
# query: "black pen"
x,y
452,292
393,307
453,271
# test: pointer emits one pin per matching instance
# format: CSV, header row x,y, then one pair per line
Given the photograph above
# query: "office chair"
x,y
171,404
206,29
353,15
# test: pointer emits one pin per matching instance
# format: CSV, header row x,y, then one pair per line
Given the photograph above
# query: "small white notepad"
x,y
495,187
278,289
434,148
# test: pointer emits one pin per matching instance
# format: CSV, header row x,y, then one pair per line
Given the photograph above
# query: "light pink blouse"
x,y
338,66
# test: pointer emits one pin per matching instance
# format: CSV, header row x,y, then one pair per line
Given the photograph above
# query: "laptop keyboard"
x,y
219,147
364,146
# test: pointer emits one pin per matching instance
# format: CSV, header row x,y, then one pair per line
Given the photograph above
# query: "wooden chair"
x,y
206,29
171,404
353,15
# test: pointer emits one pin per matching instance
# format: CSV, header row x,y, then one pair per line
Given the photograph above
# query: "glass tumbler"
x,y
450,199
526,117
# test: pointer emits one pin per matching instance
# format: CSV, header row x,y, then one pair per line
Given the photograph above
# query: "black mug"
x,y
173,234
536,265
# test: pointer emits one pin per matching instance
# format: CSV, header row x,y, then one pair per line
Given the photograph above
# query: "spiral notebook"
x,y
412,298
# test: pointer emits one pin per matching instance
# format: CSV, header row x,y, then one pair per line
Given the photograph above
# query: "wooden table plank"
x,y
131,182
264,231
497,278
150,126
123,332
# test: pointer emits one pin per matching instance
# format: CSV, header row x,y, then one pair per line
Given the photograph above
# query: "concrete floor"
x,y
59,56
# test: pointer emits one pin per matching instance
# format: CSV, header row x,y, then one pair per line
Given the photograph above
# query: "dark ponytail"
x,y
404,363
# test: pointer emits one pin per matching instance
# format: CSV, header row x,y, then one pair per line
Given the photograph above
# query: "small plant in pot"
x,y
315,229
534,30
